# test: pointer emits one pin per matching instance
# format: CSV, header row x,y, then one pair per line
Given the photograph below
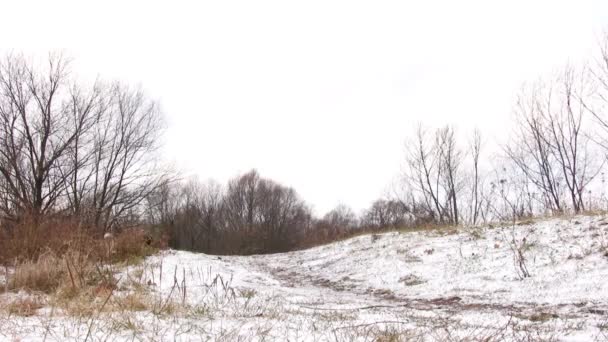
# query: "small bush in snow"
x,y
519,249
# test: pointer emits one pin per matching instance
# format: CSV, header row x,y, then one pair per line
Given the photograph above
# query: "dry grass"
x,y
28,241
390,335
77,277
24,306
133,245
81,305
61,258
134,302
44,275
66,275
376,233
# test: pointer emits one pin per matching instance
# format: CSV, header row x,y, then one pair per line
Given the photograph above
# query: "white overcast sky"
x,y
319,95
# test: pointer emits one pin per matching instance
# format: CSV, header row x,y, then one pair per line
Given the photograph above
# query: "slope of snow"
x,y
461,284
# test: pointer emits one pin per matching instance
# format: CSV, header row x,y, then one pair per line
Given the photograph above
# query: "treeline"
x,y
86,153
252,214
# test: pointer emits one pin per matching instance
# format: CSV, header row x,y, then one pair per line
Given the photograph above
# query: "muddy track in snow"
x,y
293,277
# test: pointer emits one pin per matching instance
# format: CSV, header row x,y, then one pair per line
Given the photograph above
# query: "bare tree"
x,y
120,167
197,220
42,114
449,164
387,213
597,101
241,201
569,141
163,203
434,172
64,147
336,223
283,216
531,152
423,173
76,170
551,146
476,205
342,216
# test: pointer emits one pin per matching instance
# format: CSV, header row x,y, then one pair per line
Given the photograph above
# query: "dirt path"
x,y
292,276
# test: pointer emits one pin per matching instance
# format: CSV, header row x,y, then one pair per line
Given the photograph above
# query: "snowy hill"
x,y
544,280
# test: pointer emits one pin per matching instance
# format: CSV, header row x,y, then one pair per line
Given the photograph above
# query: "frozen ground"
x,y
465,284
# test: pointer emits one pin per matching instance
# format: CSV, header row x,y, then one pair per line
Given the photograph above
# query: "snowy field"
x,y
527,282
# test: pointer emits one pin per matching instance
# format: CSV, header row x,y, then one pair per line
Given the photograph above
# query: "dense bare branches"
x,y
42,114
341,217
124,147
388,213
510,196
196,214
434,173
449,164
423,173
241,201
597,100
65,147
550,145
252,215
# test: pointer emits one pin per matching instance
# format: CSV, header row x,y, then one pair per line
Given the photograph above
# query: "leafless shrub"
x,y
519,248
511,196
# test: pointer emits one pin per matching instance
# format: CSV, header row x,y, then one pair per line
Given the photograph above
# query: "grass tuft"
x,y
25,306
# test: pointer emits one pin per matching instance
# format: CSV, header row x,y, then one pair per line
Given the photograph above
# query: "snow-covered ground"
x,y
465,284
